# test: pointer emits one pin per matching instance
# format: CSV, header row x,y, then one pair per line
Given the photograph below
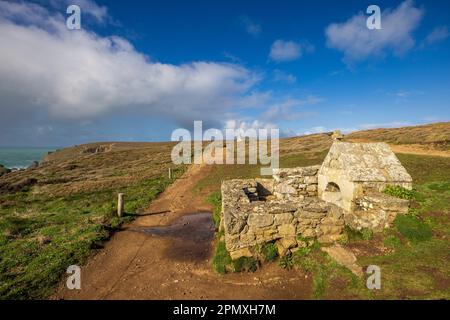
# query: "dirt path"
x,y
166,254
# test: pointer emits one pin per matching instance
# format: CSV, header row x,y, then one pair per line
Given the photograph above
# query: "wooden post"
x,y
120,204
170,173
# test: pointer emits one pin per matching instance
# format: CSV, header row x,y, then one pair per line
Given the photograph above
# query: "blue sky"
x,y
137,70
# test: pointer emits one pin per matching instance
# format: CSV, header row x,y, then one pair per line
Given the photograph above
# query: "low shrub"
x,y
399,192
269,251
286,262
245,264
357,235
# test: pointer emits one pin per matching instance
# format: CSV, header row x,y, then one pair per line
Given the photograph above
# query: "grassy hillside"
x,y
53,215
436,135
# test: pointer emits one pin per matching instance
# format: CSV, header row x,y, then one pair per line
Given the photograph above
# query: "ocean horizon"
x,y
23,157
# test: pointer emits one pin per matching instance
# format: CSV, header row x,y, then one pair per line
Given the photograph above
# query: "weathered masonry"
x,y
316,201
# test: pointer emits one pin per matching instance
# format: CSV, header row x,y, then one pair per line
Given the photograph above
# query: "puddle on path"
x,y
190,236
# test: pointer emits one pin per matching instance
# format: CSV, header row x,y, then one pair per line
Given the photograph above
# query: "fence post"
x,y
120,204
170,173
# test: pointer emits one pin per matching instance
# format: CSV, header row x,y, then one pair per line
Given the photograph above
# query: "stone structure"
x,y
337,135
253,215
314,202
354,171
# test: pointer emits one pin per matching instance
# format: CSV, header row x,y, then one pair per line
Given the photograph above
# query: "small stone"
x,y
286,230
243,252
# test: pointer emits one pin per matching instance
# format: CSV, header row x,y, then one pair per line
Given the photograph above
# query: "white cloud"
x,y
88,7
357,42
282,50
78,75
100,13
250,26
281,76
438,34
72,83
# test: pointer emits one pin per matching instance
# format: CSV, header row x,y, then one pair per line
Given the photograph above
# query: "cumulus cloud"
x,y
78,75
357,42
282,51
61,84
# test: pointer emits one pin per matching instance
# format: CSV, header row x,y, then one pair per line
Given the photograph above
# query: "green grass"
x,y
417,265
302,159
215,199
219,173
426,169
412,228
221,260
71,226
325,271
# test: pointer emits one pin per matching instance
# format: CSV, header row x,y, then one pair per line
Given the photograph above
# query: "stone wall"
x,y
251,216
295,183
257,211
376,211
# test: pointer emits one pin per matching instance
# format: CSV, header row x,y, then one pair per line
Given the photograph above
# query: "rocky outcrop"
x,y
4,170
97,149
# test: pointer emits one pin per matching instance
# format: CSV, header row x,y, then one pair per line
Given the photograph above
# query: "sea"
x,y
12,157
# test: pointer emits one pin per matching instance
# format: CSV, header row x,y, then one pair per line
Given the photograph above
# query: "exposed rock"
x,y
243,252
96,149
4,170
34,165
260,220
283,245
337,135
283,218
43,240
344,257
